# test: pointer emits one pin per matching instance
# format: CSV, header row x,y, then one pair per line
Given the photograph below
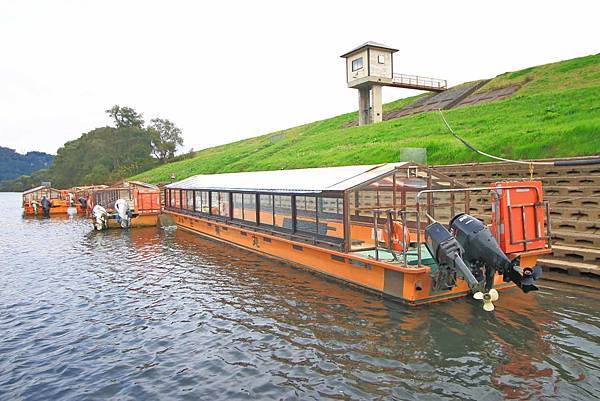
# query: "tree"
x,y
164,137
101,156
126,117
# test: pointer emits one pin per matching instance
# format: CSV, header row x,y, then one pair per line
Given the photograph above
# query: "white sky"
x,y
224,71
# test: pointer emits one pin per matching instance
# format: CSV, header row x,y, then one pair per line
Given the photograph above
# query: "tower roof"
x,y
370,44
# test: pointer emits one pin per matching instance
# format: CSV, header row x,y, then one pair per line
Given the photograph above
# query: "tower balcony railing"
x,y
415,81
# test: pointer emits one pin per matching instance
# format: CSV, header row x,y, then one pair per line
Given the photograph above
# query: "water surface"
x,y
152,314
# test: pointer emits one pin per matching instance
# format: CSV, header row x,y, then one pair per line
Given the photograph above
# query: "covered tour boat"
x,y
130,204
399,229
45,201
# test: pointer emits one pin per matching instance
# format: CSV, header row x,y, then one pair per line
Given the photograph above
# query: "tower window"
x,y
357,64
381,59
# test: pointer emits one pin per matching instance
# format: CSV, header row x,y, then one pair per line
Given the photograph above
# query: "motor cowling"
x,y
124,212
82,202
481,249
448,252
100,216
46,205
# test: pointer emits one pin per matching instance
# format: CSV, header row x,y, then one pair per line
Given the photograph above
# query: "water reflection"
x,y
155,314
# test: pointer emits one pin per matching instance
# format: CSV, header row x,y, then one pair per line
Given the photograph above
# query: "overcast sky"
x,y
224,71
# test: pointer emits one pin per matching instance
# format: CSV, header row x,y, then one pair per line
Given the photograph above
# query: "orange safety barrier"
x,y
518,216
146,201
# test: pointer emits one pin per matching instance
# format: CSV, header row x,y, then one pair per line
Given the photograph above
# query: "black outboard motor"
x,y
449,254
46,205
82,202
471,251
482,252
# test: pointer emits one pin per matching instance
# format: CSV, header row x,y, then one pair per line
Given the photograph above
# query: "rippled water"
x,y
162,314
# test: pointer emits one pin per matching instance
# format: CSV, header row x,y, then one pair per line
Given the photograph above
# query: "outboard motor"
x,y
82,202
472,252
449,254
100,218
46,205
481,249
35,205
123,212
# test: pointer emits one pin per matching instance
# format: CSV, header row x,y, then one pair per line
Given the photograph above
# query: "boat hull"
x,y
146,220
411,285
54,210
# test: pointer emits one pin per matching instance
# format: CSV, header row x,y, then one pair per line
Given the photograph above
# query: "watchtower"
x,y
370,67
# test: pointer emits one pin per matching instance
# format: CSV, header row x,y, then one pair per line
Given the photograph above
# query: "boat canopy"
x,y
331,205
306,180
38,192
39,188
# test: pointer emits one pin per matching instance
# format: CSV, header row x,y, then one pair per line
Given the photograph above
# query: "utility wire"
x,y
578,162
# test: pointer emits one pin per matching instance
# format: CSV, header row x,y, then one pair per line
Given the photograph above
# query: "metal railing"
x,y
400,214
423,82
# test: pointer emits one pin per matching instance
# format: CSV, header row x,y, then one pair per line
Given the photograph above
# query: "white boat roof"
x,y
306,180
39,188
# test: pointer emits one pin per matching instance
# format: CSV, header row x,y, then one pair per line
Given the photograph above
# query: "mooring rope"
x,y
531,163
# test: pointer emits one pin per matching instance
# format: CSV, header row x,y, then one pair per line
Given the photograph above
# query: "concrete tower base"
x,y
370,105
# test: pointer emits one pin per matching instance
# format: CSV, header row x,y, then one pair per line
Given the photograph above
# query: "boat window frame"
x,y
293,232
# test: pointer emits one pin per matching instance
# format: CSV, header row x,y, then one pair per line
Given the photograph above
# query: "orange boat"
x,y
140,200
55,200
399,229
82,197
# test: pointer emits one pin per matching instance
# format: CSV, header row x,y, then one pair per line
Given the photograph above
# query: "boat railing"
x,y
422,212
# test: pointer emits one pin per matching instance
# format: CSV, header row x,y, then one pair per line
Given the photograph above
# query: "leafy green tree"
x,y
125,117
101,156
165,137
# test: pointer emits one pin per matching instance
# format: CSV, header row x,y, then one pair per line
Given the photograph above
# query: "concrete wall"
x,y
381,70
362,73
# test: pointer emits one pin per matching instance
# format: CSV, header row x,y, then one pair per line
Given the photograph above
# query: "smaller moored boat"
x,y
45,201
127,205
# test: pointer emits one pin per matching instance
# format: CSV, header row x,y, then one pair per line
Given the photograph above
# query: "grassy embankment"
x,y
555,113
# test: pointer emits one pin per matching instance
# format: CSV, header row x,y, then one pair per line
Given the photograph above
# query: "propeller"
x,y
487,298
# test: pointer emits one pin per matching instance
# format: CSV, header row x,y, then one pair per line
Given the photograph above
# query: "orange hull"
x,y
409,284
146,220
54,210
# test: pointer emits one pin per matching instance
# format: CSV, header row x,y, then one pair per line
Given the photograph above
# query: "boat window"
x,y
363,203
205,208
214,203
198,196
220,203
283,211
330,212
306,214
266,209
175,197
250,207
238,206
183,199
190,200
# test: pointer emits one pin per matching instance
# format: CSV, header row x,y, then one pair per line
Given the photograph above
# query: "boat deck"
x,y
396,258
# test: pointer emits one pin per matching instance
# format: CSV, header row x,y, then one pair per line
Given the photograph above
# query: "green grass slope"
x,y
555,113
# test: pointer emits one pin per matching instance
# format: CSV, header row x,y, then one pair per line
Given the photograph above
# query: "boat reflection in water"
x,y
166,314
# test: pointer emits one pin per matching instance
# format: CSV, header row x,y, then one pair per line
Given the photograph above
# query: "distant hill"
x,y
14,164
551,110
